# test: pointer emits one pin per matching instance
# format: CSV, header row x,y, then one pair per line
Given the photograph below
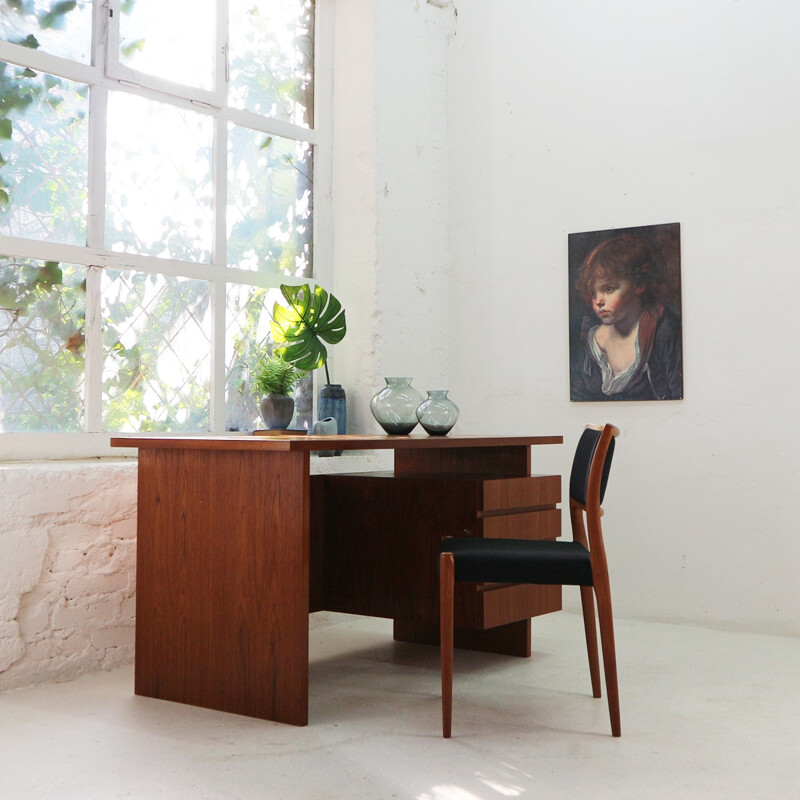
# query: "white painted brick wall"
x,y
67,569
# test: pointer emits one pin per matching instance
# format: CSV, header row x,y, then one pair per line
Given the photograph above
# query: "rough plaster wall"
x,y
351,272
390,265
67,569
412,180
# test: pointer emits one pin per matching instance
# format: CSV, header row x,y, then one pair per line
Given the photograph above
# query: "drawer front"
x,y
499,605
544,524
504,494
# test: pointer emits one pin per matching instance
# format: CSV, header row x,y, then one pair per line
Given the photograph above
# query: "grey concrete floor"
x,y
705,714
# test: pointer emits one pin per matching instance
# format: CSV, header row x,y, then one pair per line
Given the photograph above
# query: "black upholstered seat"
x,y
580,562
521,561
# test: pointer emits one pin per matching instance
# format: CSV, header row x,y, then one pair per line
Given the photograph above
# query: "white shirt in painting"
x,y
612,384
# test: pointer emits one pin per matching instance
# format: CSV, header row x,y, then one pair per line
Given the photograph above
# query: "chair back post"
x,y
576,512
594,512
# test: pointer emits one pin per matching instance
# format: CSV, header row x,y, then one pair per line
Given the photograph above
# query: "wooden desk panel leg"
x,y
222,581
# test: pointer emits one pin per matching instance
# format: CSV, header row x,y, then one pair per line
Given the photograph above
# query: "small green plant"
x,y
273,375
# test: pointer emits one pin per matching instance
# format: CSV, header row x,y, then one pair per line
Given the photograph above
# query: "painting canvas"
x,y
625,314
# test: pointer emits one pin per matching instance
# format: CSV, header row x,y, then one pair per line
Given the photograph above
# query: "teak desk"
x,y
237,542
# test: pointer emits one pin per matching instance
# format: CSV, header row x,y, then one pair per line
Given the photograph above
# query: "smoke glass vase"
x,y
438,413
395,406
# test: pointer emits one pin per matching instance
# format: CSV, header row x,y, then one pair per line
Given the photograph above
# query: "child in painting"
x,y
633,349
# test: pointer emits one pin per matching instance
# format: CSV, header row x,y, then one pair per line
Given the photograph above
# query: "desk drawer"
x,y
503,516
506,494
542,524
499,605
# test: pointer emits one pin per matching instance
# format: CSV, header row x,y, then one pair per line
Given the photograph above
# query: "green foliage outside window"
x,y
42,313
151,378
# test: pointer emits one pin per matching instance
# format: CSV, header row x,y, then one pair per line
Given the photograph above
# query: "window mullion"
x,y
95,227
45,62
100,35
221,61
219,170
219,249
256,122
218,261
93,350
110,11
95,234
217,399
98,116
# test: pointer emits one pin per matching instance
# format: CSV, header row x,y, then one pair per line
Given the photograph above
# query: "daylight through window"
x,y
155,189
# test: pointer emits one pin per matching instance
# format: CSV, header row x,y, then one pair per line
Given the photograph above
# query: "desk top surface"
x,y
288,443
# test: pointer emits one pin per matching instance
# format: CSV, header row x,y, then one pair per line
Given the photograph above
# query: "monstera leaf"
x,y
312,317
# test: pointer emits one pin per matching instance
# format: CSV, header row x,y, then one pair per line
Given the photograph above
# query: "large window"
x,y
156,170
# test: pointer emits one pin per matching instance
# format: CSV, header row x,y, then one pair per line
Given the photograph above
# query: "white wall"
x,y
579,116
390,204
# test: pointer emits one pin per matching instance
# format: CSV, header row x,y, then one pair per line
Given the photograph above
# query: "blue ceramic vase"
x,y
333,403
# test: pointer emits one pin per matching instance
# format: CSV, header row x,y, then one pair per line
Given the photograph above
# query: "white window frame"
x,y
94,442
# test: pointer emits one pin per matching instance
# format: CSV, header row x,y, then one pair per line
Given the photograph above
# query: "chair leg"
x,y
446,591
590,627
603,594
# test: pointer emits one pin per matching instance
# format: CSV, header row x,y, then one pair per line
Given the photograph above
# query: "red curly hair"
x,y
623,257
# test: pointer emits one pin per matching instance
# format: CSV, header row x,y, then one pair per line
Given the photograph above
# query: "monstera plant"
x,y
300,330
312,318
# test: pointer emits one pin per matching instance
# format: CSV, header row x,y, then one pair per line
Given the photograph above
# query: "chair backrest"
x,y
594,442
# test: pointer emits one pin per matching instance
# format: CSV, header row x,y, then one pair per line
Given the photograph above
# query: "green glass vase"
x,y
438,413
395,406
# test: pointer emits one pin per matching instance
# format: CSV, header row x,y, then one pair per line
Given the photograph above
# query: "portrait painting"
x,y
625,314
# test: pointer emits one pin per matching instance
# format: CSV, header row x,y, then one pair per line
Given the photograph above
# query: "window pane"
x,y
272,58
43,156
172,39
246,337
269,203
42,312
158,186
156,342
60,28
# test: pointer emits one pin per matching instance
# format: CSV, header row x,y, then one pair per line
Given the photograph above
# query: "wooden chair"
x,y
581,562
